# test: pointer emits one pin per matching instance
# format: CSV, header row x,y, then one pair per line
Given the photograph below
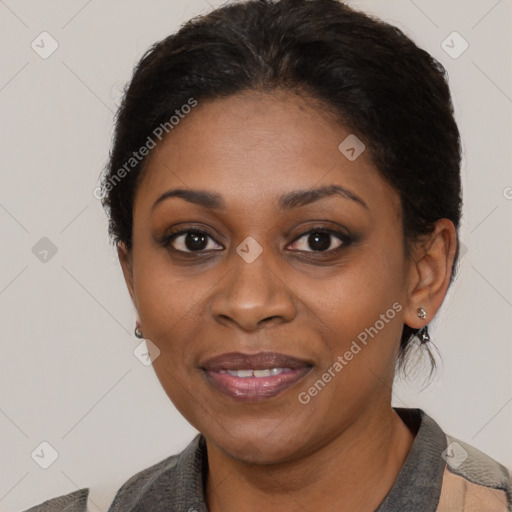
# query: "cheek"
x,y
170,313
366,286
172,308
359,310
164,297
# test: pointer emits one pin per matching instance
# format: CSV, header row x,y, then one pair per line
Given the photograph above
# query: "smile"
x,y
255,385
269,372
254,377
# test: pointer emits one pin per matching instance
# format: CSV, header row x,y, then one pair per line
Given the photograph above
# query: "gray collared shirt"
x,y
440,474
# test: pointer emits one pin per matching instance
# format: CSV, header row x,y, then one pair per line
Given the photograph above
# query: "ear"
x,y
125,259
430,273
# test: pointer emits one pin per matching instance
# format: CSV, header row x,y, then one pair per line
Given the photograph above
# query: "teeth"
x,y
256,373
242,373
262,373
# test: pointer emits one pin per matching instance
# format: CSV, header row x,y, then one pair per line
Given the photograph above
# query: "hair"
x,y
368,74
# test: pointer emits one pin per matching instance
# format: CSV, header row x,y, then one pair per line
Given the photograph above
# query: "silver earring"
x,y
138,333
423,335
422,313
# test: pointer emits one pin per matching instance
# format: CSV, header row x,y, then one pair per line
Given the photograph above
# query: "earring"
x,y
422,313
138,333
423,335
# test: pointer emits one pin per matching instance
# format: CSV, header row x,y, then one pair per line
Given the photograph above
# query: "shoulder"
x,y
127,498
174,483
473,479
134,490
444,474
167,485
73,502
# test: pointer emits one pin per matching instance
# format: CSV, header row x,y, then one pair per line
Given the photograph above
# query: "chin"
x,y
261,453
259,444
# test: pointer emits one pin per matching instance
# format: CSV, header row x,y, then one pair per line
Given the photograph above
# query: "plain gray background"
x,y
69,376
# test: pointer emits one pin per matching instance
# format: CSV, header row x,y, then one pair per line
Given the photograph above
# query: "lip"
x,y
254,388
258,361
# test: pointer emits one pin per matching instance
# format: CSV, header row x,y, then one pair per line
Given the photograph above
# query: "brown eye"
x,y
193,241
320,241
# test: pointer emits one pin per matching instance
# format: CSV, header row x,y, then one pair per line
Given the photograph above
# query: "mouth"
x,y
254,377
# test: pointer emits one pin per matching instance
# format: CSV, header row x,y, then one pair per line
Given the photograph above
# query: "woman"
x,y
284,194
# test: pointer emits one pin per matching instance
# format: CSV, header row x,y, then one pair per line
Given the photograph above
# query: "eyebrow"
x,y
288,201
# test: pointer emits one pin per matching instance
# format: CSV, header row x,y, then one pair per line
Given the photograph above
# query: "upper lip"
x,y
259,361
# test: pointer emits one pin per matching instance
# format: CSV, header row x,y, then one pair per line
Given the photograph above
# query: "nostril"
x,y
268,319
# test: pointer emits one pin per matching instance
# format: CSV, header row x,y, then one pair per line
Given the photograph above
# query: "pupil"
x,y
195,241
319,241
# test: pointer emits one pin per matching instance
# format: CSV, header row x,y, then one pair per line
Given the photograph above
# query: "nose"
x,y
252,295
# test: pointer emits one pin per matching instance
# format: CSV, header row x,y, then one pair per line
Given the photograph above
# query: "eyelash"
x,y
345,239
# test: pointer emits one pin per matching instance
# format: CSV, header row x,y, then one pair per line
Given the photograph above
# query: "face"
x,y
278,247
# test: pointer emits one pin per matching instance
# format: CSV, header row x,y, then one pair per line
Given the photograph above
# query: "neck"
x,y
353,471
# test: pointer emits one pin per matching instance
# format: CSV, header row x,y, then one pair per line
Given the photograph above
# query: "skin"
x,y
251,149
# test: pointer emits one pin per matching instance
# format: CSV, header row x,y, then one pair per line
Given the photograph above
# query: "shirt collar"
x,y
419,482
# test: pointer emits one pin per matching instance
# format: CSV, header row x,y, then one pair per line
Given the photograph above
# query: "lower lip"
x,y
254,389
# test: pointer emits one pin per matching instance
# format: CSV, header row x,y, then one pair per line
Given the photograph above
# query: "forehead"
x,y
255,146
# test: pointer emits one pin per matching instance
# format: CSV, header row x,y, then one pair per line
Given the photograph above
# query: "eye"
x,y
320,240
192,240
